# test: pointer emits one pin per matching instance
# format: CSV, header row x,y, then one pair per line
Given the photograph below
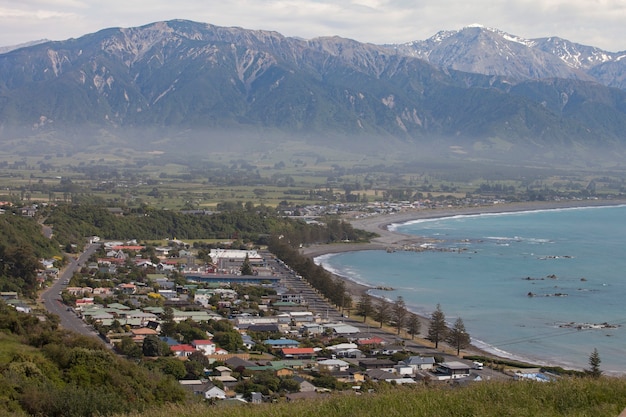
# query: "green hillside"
x,y
571,398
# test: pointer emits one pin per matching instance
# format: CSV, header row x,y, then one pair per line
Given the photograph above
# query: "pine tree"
x,y
364,306
246,268
437,328
399,313
382,311
414,325
594,364
458,337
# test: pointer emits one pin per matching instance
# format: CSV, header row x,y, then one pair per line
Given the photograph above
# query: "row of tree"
x,y
396,314
332,288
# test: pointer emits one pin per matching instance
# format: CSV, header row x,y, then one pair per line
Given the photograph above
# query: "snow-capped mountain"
x,y
491,51
180,83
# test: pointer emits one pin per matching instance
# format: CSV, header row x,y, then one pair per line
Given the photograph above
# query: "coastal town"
x,y
234,322
134,296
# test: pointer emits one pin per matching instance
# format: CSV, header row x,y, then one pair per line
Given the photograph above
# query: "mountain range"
x,y
183,85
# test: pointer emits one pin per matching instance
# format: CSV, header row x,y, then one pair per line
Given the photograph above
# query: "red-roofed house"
x,y
372,341
182,350
206,346
298,353
141,333
220,351
127,288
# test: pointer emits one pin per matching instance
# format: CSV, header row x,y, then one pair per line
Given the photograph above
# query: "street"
x,y
51,297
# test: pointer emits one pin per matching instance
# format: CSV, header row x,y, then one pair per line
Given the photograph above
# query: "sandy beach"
x,y
391,240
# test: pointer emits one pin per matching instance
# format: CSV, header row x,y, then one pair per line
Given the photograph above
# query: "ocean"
x,y
543,286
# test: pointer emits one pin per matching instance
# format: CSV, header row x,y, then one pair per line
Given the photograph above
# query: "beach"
x,y
392,240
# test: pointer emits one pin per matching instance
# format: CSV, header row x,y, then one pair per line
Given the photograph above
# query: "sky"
x,y
600,23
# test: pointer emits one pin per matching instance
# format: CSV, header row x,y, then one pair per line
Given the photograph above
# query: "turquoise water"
x,y
573,261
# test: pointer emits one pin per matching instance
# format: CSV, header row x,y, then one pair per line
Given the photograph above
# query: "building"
x,y
452,370
207,347
204,388
420,363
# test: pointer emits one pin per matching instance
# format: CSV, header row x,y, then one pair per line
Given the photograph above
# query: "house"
x,y
223,374
373,363
28,211
419,363
102,291
207,347
127,288
277,369
182,351
281,343
346,350
204,388
298,353
237,362
140,334
343,329
371,341
402,369
452,370
169,340
256,398
248,342
291,297
332,365
305,385
312,329
379,375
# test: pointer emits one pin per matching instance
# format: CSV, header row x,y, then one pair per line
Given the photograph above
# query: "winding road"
x,y
51,298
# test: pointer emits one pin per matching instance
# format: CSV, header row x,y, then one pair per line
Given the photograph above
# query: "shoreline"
x,y
391,239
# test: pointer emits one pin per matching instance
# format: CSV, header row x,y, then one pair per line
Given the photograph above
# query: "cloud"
x,y
598,23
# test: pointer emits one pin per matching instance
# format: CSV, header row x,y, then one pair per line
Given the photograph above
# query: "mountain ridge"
x,y
180,81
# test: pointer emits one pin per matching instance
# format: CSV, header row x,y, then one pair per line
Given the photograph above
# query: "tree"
x,y
246,269
364,306
231,340
171,366
399,313
382,311
168,325
594,364
437,328
458,337
152,346
128,347
414,325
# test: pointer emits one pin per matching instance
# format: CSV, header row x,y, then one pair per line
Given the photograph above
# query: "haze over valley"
x,y
183,87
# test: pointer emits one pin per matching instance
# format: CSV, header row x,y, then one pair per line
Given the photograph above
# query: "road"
x,y
51,297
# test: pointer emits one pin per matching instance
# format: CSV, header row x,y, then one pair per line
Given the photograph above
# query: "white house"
x,y
207,347
204,388
419,363
452,370
332,365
